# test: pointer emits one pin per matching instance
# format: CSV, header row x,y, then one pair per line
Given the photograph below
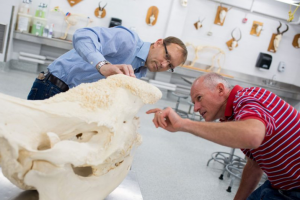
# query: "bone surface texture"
x,y
76,145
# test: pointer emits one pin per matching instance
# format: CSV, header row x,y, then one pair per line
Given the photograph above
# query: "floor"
x,y
168,166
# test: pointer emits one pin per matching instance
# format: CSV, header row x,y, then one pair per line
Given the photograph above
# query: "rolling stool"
x,y
225,158
190,109
236,169
179,96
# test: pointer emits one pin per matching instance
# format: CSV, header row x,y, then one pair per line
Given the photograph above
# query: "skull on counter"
x,y
75,145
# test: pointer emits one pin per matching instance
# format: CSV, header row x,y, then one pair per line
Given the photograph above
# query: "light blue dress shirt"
x,y
118,45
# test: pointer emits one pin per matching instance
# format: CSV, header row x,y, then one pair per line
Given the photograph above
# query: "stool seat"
x,y
180,96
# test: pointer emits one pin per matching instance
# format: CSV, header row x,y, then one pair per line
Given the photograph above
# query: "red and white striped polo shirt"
x,y
279,154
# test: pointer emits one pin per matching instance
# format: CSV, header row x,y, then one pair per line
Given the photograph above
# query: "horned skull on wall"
x,y
199,24
233,43
279,36
101,10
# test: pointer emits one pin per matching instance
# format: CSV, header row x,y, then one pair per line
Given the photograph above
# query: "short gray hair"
x,y
211,79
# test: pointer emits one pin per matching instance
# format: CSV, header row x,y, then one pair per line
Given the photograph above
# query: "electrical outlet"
x,y
281,66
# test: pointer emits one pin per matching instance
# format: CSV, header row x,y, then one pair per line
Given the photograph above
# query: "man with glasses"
x,y
100,52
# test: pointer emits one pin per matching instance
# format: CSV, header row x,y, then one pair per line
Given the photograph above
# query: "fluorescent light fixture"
x,y
291,2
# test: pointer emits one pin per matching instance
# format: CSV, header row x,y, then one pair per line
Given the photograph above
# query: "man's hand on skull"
x,y
110,69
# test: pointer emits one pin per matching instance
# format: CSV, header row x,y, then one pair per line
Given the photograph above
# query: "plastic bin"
x,y
38,25
24,22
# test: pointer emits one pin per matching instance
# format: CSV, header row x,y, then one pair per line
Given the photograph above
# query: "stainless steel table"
x,y
188,80
129,189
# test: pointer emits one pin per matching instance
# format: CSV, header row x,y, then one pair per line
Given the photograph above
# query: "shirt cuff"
x,y
95,58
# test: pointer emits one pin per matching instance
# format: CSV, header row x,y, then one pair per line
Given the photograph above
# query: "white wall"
x,y
173,19
243,58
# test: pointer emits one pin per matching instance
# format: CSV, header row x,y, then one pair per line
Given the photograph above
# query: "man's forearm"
x,y
240,134
250,178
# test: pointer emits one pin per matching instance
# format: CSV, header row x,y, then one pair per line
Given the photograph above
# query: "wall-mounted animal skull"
x,y
100,12
101,9
76,145
222,15
278,37
233,43
152,18
184,3
258,29
199,24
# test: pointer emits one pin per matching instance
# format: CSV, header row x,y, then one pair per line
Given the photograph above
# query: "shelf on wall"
x,y
58,43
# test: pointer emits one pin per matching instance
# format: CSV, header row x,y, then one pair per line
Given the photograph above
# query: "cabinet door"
x,y
5,21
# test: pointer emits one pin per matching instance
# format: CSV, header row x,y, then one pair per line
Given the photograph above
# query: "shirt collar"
x,y
229,105
144,51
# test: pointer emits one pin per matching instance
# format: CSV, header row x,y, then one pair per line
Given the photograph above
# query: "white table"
x,y
129,189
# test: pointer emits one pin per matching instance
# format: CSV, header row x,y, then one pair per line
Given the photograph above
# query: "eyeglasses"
x,y
168,58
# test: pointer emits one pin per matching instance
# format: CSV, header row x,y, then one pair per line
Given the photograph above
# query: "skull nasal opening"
x,y
83,171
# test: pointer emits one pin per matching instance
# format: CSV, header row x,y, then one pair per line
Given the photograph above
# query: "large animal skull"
x,y
279,36
76,145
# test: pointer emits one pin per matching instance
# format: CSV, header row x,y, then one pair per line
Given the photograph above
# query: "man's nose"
x,y
197,107
165,63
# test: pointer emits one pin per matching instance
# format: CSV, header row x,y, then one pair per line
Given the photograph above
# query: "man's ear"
x,y
221,89
159,42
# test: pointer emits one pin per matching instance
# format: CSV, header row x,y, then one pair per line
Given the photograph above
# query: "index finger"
x,y
153,110
124,68
131,71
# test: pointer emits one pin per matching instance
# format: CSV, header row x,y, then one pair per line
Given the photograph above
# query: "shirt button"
x,y
91,63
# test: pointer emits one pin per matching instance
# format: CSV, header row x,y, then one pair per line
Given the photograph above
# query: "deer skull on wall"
x,y
278,37
234,41
199,24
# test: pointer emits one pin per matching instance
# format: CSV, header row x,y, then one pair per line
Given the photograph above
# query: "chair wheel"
x,y
221,177
228,189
